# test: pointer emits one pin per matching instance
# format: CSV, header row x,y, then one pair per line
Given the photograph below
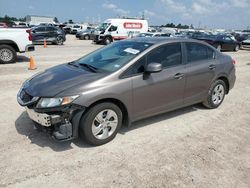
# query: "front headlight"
x,y
54,102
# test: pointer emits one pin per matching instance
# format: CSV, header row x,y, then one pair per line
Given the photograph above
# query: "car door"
x,y
158,92
51,33
201,67
229,43
38,34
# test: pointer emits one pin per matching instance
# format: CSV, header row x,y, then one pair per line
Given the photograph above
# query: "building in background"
x,y
36,20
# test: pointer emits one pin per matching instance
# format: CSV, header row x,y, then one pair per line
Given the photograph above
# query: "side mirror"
x,y
153,68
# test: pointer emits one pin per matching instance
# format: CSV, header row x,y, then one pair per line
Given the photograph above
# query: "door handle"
x,y
211,67
178,76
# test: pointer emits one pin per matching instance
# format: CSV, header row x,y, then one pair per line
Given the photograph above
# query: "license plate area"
x,y
42,119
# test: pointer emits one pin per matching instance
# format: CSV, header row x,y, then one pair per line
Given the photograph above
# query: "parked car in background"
x,y
123,82
222,42
241,37
51,34
156,34
75,29
13,41
246,43
67,28
3,25
88,34
119,28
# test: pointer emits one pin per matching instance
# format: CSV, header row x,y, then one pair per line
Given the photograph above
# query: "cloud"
x,y
241,3
149,13
30,7
109,6
175,6
115,9
196,7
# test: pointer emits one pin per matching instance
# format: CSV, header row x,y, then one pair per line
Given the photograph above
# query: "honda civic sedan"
x,y
126,81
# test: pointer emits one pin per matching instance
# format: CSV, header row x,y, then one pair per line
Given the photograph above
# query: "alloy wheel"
x,y
218,94
104,124
6,55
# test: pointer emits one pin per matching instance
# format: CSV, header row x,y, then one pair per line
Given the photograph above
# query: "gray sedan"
x,y
92,97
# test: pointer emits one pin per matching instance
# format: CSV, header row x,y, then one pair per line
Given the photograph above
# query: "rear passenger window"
x,y
168,55
40,29
198,52
50,29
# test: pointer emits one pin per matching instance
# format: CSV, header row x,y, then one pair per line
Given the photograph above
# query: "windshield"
x,y
112,57
103,26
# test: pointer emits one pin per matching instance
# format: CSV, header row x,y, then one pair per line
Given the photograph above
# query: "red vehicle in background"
x,y
3,25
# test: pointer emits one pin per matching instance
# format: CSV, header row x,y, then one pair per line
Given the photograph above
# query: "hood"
x,y
58,79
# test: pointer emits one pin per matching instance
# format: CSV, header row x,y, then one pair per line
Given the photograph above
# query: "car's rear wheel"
x,y
59,40
216,94
7,54
101,123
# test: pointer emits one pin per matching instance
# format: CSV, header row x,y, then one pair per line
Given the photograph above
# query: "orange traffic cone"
x,y
44,43
32,65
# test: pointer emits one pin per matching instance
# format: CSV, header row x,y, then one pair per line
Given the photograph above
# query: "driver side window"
x,y
112,28
137,68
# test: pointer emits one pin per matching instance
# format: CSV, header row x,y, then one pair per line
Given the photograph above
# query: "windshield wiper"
x,y
90,67
73,64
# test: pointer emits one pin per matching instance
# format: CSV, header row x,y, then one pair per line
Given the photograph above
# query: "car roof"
x,y
155,40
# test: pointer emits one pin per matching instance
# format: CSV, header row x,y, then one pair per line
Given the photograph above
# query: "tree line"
x,y
10,20
179,26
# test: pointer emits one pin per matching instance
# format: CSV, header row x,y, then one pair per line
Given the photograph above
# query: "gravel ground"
x,y
190,147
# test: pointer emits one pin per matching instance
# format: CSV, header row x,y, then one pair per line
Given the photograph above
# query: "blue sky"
x,y
229,14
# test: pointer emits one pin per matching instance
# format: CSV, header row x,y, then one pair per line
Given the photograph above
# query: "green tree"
x,y
56,20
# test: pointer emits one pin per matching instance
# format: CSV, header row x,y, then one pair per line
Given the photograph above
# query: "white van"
x,y
117,29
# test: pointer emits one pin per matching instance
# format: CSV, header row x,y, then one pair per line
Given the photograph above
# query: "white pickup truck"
x,y
13,41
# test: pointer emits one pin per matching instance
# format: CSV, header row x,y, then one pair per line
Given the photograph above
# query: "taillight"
x,y
233,61
29,32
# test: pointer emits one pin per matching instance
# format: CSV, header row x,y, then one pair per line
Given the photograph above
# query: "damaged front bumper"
x,y
63,122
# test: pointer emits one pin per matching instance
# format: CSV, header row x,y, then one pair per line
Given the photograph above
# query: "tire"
x,y
216,94
218,47
82,37
59,40
7,54
107,40
237,48
96,128
86,37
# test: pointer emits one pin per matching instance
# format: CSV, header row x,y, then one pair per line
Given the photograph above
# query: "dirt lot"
x,y
191,147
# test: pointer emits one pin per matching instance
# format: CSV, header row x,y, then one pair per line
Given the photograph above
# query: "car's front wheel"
x,y
107,40
101,123
218,47
216,94
237,48
86,37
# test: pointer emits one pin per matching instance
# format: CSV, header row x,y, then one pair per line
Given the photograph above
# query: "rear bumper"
x,y
29,48
232,79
